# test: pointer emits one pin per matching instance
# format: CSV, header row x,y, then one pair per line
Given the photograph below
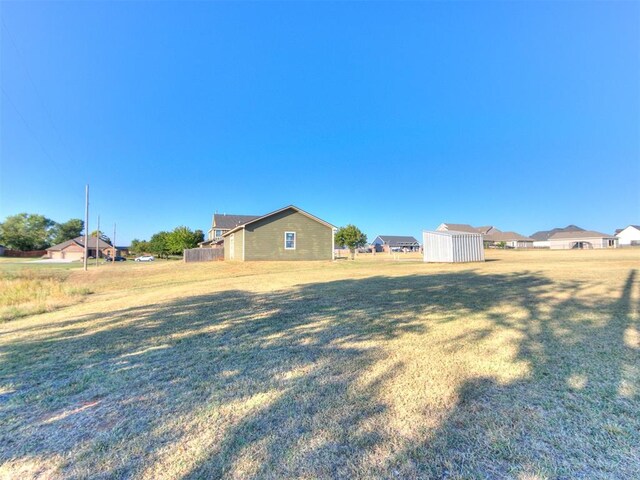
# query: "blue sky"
x,y
392,116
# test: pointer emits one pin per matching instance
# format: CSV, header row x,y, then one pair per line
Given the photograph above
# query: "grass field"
x,y
526,366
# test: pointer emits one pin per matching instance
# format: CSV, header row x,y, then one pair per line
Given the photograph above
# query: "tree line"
x,y
163,244
31,231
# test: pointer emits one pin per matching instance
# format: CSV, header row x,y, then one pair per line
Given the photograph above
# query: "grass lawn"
x,y
526,366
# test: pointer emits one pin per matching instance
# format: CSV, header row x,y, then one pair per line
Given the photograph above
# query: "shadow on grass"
x,y
289,384
577,415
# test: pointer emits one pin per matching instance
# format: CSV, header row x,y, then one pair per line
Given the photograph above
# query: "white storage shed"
x,y
453,247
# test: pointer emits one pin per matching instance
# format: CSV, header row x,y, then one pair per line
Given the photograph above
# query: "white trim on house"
x,y
295,238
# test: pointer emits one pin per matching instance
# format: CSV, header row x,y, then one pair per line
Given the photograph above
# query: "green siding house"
x,y
286,234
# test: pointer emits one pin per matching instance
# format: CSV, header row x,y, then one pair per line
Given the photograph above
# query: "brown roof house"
x,y
289,233
584,239
74,249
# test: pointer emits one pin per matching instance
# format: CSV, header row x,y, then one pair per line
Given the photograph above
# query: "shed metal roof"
x,y
454,233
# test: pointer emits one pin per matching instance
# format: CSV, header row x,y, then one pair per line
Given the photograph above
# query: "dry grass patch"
x,y
28,292
522,367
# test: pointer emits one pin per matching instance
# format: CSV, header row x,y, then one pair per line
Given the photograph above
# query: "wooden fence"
x,y
24,254
203,254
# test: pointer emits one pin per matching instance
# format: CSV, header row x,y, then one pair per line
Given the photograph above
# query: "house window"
x,y
218,233
289,240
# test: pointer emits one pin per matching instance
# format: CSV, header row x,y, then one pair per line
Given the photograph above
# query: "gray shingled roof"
x,y
543,235
618,230
398,240
224,221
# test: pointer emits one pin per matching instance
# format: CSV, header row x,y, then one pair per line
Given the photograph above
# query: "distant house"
x,y
463,227
457,227
629,235
582,239
509,239
490,235
541,238
286,234
389,243
222,223
74,249
123,251
488,230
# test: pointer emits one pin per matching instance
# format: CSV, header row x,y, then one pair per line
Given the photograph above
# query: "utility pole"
x,y
86,226
97,240
113,244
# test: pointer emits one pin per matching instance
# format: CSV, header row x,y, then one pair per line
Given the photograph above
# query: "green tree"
x,y
159,244
102,235
350,237
26,231
67,230
182,238
139,246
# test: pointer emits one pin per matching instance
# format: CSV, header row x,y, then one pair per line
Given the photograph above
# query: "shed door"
x,y
232,246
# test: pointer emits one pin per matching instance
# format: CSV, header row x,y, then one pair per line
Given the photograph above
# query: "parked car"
x,y
145,258
118,258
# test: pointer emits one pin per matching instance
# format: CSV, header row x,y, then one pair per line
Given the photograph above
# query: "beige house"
x,y
510,239
286,234
74,249
585,239
541,238
490,235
